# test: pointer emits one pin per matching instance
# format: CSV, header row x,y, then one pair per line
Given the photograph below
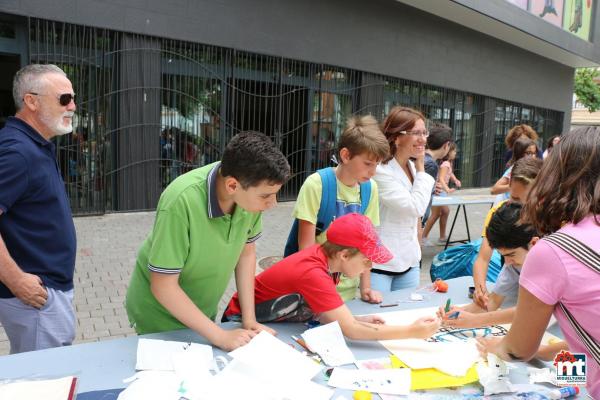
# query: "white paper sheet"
x,y
153,385
385,381
276,359
449,353
48,389
193,364
451,358
157,355
250,384
328,341
264,369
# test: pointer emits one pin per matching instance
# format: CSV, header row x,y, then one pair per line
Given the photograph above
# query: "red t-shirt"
x,y
304,272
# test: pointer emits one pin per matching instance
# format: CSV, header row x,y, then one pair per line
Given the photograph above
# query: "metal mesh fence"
x,y
150,109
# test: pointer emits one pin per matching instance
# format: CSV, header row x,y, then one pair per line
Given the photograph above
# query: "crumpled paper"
x,y
494,376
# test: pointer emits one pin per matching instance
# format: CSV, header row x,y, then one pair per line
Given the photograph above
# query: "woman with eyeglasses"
x,y
404,192
523,147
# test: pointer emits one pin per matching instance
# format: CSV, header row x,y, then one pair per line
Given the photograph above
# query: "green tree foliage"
x,y
587,89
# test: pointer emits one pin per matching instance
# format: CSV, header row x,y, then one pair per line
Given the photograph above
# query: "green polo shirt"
x,y
191,237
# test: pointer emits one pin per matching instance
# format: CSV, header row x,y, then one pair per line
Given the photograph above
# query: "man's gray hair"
x,y
29,79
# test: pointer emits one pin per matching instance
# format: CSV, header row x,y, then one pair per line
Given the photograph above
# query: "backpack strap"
x,y
365,196
326,212
328,199
591,259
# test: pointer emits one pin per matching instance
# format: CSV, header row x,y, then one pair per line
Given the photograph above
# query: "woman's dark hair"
x,y
505,231
520,147
518,131
252,158
451,147
551,142
399,119
567,188
439,135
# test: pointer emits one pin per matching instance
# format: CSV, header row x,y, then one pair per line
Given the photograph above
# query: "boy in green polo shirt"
x,y
206,223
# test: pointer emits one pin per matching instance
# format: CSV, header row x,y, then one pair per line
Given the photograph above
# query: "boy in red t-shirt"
x,y
303,285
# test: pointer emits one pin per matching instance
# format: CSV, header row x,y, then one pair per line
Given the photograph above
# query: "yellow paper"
x,y
431,378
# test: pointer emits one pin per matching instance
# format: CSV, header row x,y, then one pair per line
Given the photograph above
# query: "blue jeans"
x,y
389,283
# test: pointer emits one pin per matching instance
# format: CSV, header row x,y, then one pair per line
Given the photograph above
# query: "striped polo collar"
x,y
214,210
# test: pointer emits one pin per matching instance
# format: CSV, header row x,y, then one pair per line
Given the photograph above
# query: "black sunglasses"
x,y
64,99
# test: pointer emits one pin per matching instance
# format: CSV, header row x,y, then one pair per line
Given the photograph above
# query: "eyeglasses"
x,y
415,133
64,99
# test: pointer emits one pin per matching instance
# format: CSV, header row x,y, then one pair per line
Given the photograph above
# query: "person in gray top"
x,y
513,240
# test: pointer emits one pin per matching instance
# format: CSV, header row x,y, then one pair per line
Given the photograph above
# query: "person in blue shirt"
x,y
37,234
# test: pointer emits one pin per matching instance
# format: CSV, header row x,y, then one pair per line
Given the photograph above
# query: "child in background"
x,y
523,147
303,285
554,140
515,133
438,145
361,147
524,174
445,175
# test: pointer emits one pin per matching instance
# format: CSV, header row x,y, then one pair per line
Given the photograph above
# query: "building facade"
x,y
162,85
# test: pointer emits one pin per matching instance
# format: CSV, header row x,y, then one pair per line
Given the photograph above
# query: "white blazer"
x,y
401,203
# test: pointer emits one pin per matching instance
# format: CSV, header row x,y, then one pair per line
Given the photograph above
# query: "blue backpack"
x,y
327,208
458,261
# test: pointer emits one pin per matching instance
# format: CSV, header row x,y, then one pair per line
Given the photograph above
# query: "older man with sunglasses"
x,y
37,235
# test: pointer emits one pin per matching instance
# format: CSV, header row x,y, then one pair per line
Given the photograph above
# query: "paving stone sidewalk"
x,y
107,246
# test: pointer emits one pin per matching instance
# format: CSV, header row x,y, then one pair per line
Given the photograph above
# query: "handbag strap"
x,y
577,249
591,259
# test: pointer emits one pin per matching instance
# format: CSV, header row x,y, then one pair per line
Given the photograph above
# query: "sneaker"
x,y
442,241
275,309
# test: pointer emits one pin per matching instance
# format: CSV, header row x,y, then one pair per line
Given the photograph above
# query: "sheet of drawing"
x,y
252,384
445,334
406,317
157,355
451,358
274,358
328,341
379,363
386,381
454,360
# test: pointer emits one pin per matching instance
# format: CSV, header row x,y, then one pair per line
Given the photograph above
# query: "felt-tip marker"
x,y
447,305
388,305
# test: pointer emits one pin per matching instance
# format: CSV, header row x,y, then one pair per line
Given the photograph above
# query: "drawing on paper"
x,y
445,334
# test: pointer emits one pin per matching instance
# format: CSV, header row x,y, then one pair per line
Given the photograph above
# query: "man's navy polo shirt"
x,y
36,222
